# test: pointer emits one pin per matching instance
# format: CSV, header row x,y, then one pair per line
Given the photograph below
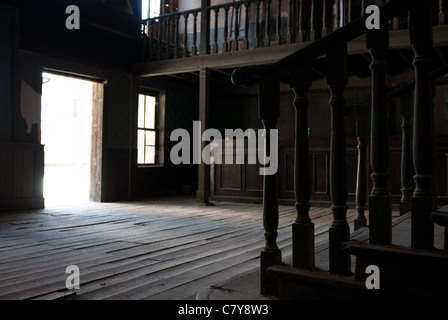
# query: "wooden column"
x,y
202,195
406,155
267,38
362,132
339,231
423,129
269,109
380,207
204,46
303,228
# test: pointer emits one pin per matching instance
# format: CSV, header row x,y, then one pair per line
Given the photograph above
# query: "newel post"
x,y
339,231
269,109
423,128
204,46
380,207
303,228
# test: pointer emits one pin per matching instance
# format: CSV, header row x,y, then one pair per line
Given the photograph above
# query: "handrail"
x,y
245,75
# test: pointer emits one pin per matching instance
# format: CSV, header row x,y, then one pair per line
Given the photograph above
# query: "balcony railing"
x,y
252,24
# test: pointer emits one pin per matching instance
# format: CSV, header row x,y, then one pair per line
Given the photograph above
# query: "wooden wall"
x,y
242,183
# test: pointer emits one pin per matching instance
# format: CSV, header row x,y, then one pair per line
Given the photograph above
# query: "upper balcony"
x,y
255,32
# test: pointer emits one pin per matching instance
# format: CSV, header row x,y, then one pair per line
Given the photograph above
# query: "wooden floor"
x,y
167,248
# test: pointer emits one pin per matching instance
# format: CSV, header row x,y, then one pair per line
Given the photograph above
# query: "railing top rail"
x,y
245,75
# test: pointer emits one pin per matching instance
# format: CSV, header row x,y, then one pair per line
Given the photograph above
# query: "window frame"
x,y
158,156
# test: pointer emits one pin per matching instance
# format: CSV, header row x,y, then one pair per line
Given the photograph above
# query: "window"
x,y
147,129
150,8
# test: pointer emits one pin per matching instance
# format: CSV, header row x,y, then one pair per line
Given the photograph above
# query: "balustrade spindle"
x,y
303,228
237,27
324,19
194,50
167,38
362,128
339,231
406,158
349,11
267,38
159,39
215,31
185,48
313,21
278,25
176,37
289,23
257,25
269,108
380,207
423,128
246,26
225,44
441,17
300,32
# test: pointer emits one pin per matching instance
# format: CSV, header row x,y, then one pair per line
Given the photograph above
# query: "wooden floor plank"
x,y
165,248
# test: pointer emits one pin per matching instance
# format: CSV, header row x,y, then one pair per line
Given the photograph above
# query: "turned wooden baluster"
x,y
380,208
167,38
225,44
339,231
269,109
159,39
278,22
237,27
362,128
441,17
215,31
246,26
303,228
267,37
300,32
176,36
324,19
406,158
185,48
289,23
257,25
194,50
423,128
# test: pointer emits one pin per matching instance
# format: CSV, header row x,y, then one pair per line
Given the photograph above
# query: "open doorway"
x,y
66,131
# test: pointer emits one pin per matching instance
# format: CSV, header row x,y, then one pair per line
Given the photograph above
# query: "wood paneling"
x,y
21,176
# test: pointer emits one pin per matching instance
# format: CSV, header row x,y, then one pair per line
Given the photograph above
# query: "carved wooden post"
x,y
176,36
225,44
303,228
362,128
246,26
185,48
339,231
423,129
278,22
269,109
267,37
204,46
380,207
237,27
194,50
215,31
257,25
406,158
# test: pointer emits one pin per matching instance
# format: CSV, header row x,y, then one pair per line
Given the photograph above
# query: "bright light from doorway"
x,y
66,135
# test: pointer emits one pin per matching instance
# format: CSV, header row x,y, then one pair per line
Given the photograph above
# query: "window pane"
x,y
150,121
150,138
150,155
141,146
141,111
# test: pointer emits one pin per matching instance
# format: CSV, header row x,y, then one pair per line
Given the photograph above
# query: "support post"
x,y
204,46
303,228
362,129
423,128
380,206
202,195
406,158
269,109
339,231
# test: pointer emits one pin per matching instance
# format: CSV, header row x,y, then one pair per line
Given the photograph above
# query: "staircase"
x,y
415,270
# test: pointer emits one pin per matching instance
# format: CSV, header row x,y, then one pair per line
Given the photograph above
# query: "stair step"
x,y
314,284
